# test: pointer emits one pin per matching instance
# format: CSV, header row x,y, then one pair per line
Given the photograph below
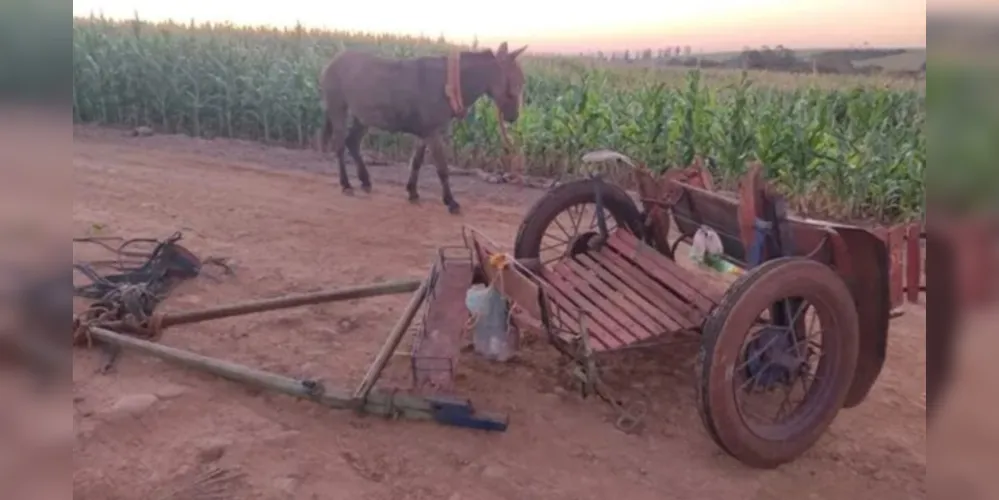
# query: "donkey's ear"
x,y
502,51
514,54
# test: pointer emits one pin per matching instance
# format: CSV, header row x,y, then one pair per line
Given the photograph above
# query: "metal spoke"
x,y
802,358
566,233
755,377
758,353
549,247
575,220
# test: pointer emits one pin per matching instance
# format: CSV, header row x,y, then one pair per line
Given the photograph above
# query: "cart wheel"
x,y
778,360
564,219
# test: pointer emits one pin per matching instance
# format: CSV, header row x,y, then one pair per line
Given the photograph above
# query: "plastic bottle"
x,y
490,336
706,250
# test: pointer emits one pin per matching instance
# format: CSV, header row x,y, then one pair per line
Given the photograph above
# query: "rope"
x,y
131,295
513,157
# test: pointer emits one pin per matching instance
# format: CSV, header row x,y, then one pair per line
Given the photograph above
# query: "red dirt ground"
x,y
279,215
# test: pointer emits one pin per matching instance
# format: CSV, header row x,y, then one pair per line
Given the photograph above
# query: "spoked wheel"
x,y
777,359
562,222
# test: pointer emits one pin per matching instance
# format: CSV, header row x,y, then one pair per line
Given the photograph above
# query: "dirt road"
x,y
279,215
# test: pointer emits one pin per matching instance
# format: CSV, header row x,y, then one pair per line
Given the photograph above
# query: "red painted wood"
x,y
610,314
914,261
618,297
632,292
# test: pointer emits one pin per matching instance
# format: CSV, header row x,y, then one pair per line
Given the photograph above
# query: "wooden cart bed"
x,y
626,292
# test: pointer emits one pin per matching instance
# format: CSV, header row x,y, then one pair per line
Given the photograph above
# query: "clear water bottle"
x,y
490,335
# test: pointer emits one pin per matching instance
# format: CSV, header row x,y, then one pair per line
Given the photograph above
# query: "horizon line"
x,y
474,38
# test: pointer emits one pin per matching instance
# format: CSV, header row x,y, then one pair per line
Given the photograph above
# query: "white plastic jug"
x,y
707,251
490,335
706,245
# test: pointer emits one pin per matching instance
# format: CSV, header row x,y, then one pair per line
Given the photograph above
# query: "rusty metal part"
x,y
394,337
161,321
441,335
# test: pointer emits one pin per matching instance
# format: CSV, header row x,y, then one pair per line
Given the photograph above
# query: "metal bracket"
x,y
601,219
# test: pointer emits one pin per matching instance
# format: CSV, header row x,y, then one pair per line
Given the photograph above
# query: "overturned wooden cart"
x,y
598,272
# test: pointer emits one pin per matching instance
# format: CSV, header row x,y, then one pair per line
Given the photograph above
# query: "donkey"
x,y
418,96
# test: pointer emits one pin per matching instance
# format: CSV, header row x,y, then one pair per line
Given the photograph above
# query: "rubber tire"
x,y
722,341
532,229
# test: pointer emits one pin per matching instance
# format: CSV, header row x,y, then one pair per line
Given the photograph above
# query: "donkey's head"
x,y
506,87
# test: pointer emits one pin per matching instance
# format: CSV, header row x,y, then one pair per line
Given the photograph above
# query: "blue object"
x,y
761,229
461,414
767,353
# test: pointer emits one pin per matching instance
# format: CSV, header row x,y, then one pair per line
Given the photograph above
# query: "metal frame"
x,y
418,363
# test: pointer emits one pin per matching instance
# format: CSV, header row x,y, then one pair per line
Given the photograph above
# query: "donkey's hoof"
x,y
414,198
454,208
366,188
349,191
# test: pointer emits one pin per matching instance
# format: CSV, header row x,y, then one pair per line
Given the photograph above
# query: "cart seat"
x,y
626,292
630,293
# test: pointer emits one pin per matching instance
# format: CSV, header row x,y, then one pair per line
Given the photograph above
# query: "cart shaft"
x,y
289,301
442,410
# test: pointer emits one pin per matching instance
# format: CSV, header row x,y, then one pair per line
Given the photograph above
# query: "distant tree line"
x,y
767,58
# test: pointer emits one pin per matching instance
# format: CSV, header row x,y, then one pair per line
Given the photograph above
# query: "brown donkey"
x,y
414,96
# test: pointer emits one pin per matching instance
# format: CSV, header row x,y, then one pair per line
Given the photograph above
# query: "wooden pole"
x,y
339,294
377,403
393,339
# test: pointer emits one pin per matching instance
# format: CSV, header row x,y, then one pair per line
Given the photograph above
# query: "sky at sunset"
x,y
564,25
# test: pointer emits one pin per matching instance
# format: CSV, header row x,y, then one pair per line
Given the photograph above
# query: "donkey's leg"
x,y
340,146
354,136
415,162
333,129
436,145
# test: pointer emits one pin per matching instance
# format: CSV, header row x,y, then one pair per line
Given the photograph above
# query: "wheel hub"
x,y
580,243
773,359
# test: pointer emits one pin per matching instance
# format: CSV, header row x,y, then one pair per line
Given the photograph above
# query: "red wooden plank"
x,y
616,320
600,328
601,339
703,292
914,262
894,238
663,298
660,319
625,311
686,284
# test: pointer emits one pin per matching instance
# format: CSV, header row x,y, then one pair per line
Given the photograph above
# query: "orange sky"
x,y
566,25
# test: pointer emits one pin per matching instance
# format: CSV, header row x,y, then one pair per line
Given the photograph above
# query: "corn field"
x,y
849,152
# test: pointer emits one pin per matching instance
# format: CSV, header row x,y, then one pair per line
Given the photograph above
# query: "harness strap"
x,y
452,85
761,229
